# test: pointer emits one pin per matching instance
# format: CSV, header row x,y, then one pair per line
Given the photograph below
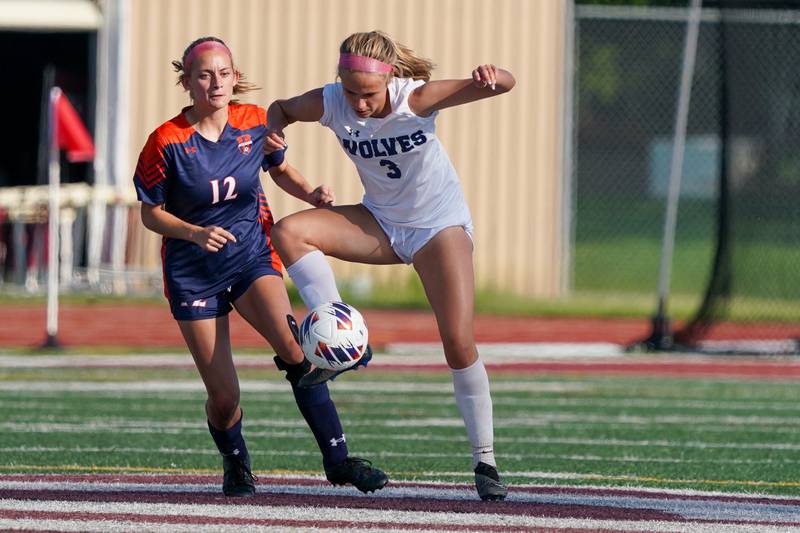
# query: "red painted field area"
x,y
152,325
164,502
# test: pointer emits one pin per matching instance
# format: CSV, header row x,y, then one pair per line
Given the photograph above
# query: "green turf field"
x,y
723,435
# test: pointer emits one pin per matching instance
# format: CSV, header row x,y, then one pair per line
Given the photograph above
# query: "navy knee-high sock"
x,y
320,413
230,441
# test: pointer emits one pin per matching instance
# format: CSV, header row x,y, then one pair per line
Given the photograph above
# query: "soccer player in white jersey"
x,y
413,210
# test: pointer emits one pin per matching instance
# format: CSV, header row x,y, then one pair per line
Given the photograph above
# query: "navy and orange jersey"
x,y
208,184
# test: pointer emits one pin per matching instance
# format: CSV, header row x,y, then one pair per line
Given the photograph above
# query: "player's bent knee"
x,y
460,353
290,234
284,233
223,407
459,347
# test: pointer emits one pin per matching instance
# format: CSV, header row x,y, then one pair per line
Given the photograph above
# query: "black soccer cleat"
x,y
357,472
293,372
321,375
237,480
488,483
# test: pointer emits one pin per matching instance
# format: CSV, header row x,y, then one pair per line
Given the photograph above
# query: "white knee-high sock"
x,y
471,386
313,277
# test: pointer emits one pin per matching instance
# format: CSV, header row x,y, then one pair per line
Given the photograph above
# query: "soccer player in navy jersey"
x,y
198,182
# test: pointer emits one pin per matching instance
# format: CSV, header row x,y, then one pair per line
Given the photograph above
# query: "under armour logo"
x,y
351,132
196,303
335,442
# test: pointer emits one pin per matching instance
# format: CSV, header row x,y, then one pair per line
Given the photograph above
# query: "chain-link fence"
x,y
737,235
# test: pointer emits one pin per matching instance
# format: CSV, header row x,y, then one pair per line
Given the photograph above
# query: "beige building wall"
x,y
507,149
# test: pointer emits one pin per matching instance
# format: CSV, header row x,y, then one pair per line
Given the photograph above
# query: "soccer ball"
x,y
334,336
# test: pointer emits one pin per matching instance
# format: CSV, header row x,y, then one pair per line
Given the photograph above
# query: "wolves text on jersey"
x,y
385,147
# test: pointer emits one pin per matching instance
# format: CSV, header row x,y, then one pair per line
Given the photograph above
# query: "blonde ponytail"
x,y
378,45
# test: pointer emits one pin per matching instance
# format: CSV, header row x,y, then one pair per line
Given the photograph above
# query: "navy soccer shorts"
x,y
221,304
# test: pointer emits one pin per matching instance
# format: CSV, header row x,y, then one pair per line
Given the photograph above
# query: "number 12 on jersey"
x,y
229,184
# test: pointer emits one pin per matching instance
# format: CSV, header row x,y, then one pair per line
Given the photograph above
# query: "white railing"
x,y
93,237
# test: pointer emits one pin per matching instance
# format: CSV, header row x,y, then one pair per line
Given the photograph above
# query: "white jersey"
x,y
407,176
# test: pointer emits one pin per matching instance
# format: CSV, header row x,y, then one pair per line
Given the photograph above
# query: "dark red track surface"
x,y
151,325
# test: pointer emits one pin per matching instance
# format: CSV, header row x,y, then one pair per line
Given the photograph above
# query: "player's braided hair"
x,y
242,86
378,45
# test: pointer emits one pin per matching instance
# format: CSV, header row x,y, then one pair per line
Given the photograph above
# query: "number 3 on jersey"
x,y
230,189
393,172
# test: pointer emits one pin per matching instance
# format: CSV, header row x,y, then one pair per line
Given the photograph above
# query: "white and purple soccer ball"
x,y
334,336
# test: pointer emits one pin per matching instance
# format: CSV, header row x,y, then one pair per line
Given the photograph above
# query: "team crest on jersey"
x,y
245,144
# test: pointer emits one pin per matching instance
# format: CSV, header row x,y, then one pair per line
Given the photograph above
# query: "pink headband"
x,y
205,46
363,63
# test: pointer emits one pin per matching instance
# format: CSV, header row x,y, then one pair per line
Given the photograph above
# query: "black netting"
x,y
736,265
757,280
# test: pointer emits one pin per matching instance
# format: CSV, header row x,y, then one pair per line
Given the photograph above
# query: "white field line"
x,y
633,483
393,354
121,526
706,428
75,424
687,508
513,350
367,397
279,512
513,422
654,403
538,419
366,388
639,403
177,428
399,354
390,389
555,524
628,458
274,386
282,482
535,419
532,420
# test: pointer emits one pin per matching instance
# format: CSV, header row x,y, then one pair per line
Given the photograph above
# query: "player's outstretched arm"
x,y
486,81
307,107
292,181
210,238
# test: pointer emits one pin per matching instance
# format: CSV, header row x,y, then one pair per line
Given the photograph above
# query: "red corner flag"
x,y
71,134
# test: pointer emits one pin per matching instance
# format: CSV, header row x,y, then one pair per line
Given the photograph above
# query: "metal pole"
x,y
569,155
96,210
54,178
662,331
121,98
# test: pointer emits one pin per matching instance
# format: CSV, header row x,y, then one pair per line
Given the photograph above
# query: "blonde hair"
x,y
377,45
242,86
